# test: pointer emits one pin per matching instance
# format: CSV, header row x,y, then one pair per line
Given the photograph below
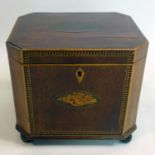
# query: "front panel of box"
x,y
77,98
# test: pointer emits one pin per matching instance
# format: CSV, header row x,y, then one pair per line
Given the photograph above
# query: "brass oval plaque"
x,y
78,98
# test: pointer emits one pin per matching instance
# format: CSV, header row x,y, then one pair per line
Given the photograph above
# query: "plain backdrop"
x,y
143,12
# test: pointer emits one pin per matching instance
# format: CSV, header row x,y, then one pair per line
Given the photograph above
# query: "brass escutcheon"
x,y
79,74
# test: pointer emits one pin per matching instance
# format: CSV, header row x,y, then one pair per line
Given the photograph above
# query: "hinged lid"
x,y
39,34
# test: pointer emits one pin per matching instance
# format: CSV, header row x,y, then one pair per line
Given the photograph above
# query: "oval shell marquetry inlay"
x,y
78,98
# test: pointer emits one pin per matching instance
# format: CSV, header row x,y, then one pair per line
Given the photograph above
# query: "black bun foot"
x,y
25,139
127,140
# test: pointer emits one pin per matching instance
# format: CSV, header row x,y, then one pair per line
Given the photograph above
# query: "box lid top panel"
x,y
76,30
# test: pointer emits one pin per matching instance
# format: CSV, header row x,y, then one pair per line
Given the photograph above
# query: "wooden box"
x,y
76,75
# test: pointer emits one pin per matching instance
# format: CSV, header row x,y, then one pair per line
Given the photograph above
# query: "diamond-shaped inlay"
x,y
79,74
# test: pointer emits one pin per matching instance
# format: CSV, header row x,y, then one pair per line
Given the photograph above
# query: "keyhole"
x,y
79,73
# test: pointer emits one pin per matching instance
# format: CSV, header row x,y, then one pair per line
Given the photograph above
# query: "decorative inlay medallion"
x,y
78,98
79,74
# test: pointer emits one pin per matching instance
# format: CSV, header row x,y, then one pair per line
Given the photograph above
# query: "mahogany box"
x,y
76,75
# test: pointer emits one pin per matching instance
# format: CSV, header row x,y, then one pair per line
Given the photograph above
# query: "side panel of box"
x,y
134,92
18,85
14,52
